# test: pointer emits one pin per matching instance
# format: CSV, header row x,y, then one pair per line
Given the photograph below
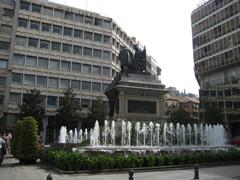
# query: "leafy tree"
x,y
33,104
68,112
214,115
26,142
178,115
99,111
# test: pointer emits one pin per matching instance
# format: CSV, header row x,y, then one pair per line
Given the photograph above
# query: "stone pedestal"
x,y
141,98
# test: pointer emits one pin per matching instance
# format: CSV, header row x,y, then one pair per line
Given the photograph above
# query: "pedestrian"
x,y
8,142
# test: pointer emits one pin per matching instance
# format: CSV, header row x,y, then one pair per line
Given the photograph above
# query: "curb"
x,y
144,169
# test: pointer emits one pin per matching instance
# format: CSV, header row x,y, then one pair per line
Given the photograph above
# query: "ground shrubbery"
x,y
26,144
73,161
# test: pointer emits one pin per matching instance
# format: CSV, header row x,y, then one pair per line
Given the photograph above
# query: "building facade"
x,y
189,104
216,48
51,47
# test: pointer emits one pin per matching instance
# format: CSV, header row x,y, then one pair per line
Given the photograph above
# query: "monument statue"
x,y
130,63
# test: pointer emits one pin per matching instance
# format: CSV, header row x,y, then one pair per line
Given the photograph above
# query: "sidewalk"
x,y
12,170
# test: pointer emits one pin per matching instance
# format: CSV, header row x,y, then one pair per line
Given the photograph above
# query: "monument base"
x,y
141,98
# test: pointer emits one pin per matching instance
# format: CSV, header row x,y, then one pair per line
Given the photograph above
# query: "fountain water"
x,y
152,136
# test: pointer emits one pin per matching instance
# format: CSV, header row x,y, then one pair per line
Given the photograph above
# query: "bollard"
x,y
131,172
49,177
196,172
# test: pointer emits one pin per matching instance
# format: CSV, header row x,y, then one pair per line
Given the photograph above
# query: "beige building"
x,y
216,48
189,104
51,47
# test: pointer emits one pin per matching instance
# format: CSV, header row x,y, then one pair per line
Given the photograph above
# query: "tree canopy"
x,y
68,112
178,115
214,115
33,104
98,111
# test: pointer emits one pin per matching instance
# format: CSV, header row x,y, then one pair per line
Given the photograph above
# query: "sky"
x,y
164,27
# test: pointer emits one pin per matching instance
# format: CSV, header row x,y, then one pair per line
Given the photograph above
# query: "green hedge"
x,y
73,161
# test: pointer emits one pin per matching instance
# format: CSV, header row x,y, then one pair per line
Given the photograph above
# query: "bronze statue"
x,y
129,64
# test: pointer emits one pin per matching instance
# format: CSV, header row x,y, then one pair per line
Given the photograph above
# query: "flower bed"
x,y
73,161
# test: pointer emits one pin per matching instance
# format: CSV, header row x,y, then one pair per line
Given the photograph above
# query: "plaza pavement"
x,y
12,170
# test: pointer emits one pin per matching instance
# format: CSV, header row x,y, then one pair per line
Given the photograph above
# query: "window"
x,y
43,62
7,12
34,25
106,55
44,44
86,86
33,42
67,31
69,15
15,98
85,103
18,59
57,29
53,82
6,29
67,48
22,23
24,5
106,39
46,27
4,45
88,35
29,79
56,46
75,84
36,8
78,33
21,41
106,71
106,24
2,81
1,99
97,53
52,101
3,63
98,22
47,11
87,51
78,18
88,20
77,50
58,13
64,83
54,64
104,87
86,68
65,66
31,61
97,37
96,87
42,81
17,78
97,70
76,67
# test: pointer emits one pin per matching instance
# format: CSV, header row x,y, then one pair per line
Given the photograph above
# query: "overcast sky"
x,y
164,27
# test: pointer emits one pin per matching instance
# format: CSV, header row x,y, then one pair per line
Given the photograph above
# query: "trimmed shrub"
x,y
75,161
26,142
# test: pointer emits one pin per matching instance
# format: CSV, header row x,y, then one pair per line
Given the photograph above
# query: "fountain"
x,y
153,137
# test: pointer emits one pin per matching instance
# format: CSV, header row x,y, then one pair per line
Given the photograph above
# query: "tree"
x,y
214,115
178,115
99,111
26,142
68,112
33,104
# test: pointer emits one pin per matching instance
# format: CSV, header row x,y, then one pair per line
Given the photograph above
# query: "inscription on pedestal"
x,y
142,107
